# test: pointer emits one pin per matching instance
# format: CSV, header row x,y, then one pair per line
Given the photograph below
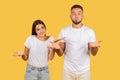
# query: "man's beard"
x,y
76,22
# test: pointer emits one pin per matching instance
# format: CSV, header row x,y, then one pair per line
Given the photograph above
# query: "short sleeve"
x,y
51,38
61,35
27,42
92,37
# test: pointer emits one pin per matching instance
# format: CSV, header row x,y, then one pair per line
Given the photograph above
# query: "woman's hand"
x,y
16,54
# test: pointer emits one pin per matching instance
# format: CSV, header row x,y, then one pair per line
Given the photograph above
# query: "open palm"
x,y
94,44
18,54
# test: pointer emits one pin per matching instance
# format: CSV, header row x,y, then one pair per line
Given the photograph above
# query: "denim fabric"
x,y
33,73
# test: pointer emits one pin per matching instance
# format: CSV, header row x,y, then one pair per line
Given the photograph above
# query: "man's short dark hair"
x,y
76,6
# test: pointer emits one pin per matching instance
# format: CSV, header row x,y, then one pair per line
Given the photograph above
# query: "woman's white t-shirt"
x,y
38,54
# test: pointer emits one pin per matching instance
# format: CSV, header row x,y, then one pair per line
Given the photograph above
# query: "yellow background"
x,y
17,16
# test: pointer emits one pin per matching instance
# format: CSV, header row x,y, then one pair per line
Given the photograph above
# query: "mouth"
x,y
76,22
42,34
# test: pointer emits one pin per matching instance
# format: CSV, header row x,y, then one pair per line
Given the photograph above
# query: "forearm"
x,y
51,54
59,52
26,54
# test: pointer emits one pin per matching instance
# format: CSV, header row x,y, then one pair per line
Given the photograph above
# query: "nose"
x,y
76,17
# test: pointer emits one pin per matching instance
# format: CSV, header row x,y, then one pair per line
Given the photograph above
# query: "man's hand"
x,y
94,44
93,47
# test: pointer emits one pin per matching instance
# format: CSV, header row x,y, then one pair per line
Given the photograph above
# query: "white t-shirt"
x,y
38,54
77,58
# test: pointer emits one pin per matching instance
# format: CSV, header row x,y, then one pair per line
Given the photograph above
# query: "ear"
x,y
70,16
82,16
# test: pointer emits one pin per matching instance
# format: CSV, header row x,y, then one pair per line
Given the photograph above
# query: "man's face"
x,y
76,15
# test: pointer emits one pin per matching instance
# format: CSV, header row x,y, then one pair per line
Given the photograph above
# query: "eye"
x,y
73,13
42,27
37,29
79,13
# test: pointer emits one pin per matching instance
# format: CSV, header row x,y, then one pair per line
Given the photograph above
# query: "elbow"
x,y
25,59
50,58
60,54
94,53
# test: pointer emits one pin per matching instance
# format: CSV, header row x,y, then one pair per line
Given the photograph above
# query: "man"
x,y
79,40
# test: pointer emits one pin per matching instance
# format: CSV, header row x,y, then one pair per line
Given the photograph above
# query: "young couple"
x,y
76,42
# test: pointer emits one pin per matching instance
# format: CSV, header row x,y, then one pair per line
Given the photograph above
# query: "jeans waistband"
x,y
37,68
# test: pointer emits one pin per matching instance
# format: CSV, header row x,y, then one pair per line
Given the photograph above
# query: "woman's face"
x,y
40,30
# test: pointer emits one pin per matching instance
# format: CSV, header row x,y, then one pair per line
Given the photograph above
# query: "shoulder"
x,y
88,29
66,28
30,37
29,40
50,38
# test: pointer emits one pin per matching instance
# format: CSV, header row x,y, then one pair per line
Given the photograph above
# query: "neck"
x,y
77,25
41,37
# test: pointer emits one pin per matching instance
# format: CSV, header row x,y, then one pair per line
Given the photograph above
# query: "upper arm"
x,y
92,36
27,45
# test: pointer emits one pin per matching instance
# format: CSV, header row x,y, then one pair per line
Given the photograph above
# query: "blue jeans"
x,y
33,73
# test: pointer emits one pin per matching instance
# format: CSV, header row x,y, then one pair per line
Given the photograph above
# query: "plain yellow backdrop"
x,y
17,16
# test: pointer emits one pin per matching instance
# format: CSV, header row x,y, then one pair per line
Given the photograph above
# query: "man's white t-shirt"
x,y
38,54
76,56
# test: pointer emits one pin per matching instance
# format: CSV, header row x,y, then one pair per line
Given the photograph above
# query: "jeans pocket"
x,y
46,70
29,69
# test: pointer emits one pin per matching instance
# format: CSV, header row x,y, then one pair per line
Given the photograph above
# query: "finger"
x,y
51,41
15,55
58,40
50,47
18,53
99,41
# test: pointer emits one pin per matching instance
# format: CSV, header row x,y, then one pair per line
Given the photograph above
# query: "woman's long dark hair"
x,y
35,23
